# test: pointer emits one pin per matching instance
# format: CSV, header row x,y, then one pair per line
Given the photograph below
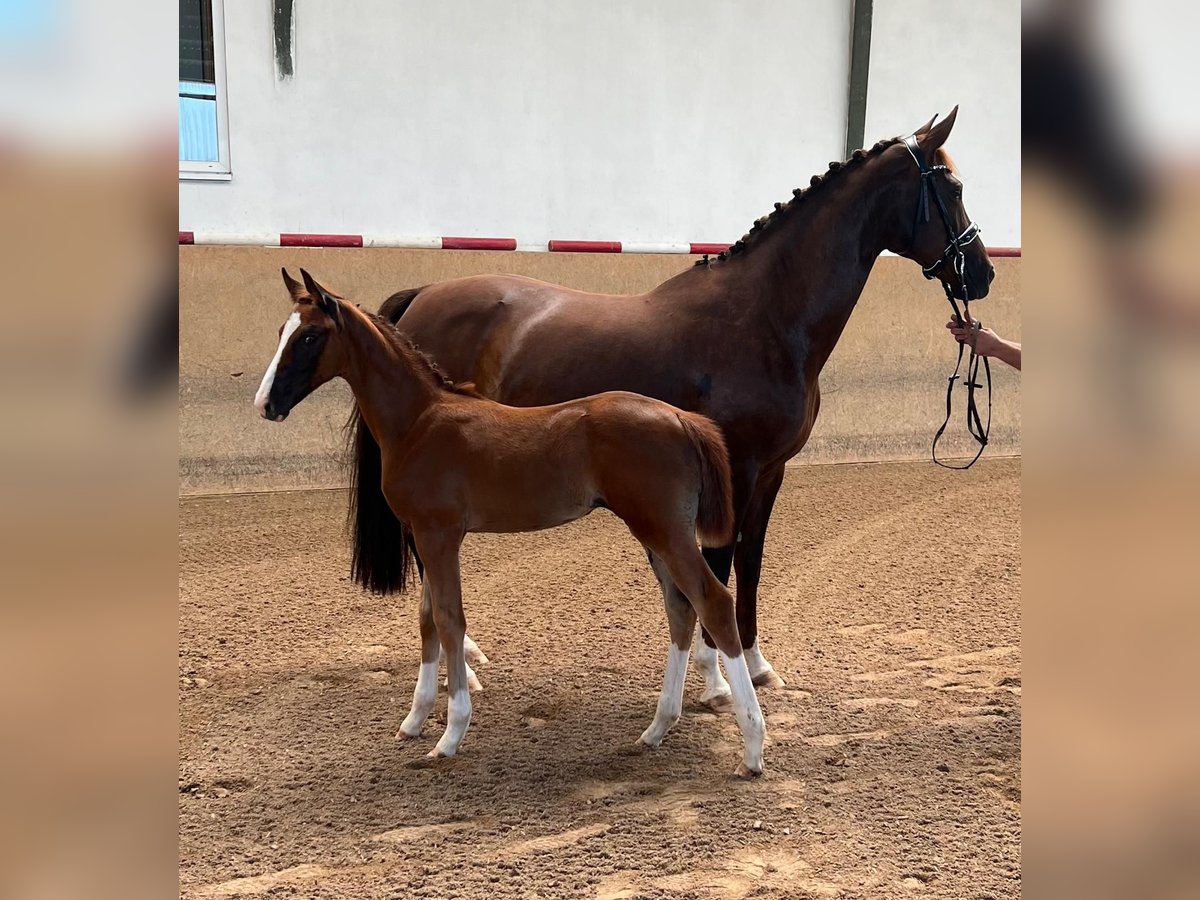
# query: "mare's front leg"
x,y
747,562
440,552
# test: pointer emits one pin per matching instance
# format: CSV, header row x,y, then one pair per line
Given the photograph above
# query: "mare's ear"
x,y
924,128
326,301
294,288
936,136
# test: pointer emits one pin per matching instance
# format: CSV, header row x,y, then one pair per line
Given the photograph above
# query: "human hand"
x,y
985,342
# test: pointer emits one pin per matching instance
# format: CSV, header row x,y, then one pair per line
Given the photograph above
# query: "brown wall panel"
x,y
883,390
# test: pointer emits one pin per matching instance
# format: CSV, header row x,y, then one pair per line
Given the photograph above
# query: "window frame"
x,y
220,169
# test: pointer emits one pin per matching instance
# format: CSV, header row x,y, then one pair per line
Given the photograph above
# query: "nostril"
x,y
991,274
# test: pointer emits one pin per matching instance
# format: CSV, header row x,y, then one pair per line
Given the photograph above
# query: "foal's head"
x,y
309,352
928,222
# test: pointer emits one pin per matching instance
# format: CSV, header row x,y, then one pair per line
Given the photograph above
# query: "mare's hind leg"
x,y
425,694
681,619
439,549
714,605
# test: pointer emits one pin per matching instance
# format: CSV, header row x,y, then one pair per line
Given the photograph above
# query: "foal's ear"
x,y
295,288
936,136
325,301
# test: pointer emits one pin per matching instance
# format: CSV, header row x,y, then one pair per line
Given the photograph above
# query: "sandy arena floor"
x,y
890,606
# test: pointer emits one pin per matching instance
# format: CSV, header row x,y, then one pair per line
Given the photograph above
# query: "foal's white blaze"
x,y
670,701
748,712
715,684
424,697
264,389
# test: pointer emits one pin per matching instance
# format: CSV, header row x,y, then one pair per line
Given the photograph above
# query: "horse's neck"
x,y
807,273
391,389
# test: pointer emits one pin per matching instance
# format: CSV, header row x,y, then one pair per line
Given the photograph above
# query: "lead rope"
x,y
975,424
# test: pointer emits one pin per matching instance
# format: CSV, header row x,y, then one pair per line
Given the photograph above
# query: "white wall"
x,y
927,56
675,120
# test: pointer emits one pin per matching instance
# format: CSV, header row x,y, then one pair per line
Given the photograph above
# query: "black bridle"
x,y
955,257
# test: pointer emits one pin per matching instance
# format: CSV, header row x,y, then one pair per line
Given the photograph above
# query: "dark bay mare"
x,y
455,462
741,337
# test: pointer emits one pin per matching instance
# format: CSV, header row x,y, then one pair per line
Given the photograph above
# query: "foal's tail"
x,y
714,518
382,560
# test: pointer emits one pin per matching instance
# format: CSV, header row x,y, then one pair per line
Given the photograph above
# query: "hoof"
x,y
473,683
435,754
720,703
403,735
767,679
745,773
647,740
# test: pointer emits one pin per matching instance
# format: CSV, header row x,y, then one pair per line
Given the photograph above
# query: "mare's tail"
x,y
382,560
394,306
714,517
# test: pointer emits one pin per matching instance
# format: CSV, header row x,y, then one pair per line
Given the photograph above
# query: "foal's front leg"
x,y
425,694
439,550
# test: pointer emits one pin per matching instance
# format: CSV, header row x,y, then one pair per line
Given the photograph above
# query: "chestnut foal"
x,y
454,462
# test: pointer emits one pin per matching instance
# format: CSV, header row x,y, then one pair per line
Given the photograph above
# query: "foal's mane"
x,y
420,360
782,211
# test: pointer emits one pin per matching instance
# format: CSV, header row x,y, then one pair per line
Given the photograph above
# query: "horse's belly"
x,y
526,515
528,497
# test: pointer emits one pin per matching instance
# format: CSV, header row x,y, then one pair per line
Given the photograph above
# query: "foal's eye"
x,y
310,338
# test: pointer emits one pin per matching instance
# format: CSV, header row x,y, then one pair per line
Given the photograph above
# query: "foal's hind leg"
x,y
473,681
716,689
714,605
682,621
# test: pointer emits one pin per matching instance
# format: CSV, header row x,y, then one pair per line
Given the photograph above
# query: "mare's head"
x,y
929,223
309,353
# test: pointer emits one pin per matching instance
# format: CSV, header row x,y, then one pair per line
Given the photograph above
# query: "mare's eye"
x,y
310,338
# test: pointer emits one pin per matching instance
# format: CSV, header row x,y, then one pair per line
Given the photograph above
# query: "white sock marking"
x,y
670,701
715,684
424,697
264,389
756,662
746,709
458,719
473,652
